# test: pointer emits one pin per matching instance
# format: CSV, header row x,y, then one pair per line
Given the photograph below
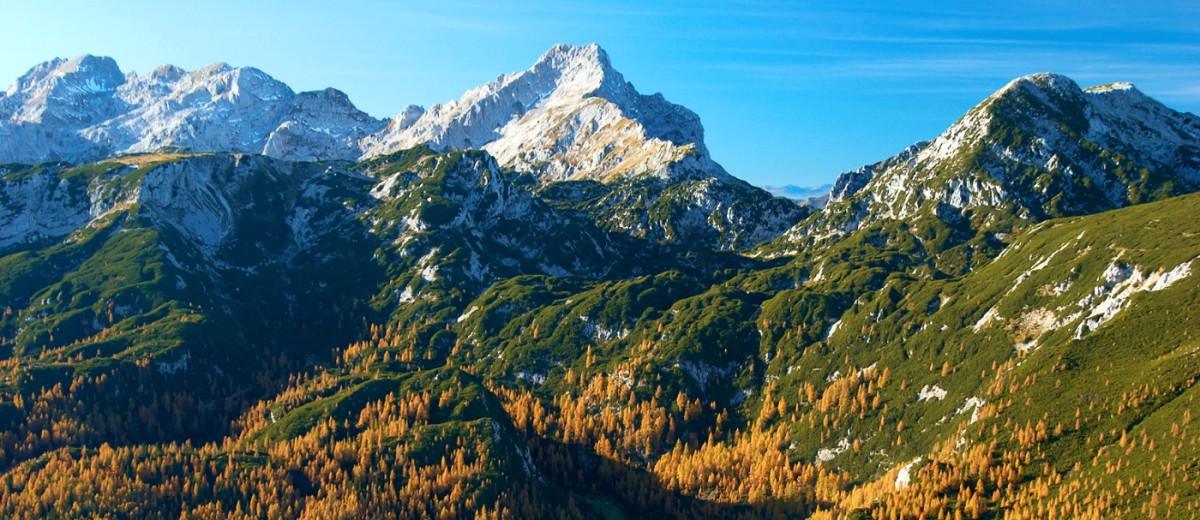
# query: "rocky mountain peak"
x,y
407,117
849,183
213,69
322,124
165,74
563,56
569,116
581,69
71,91
86,109
1040,147
222,81
1042,82
101,71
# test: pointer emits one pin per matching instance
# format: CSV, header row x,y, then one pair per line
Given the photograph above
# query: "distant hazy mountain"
x,y
794,192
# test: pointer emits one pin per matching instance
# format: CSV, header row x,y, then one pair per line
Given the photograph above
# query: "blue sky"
x,y
790,92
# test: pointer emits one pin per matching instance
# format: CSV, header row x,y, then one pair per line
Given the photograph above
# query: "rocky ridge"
x,y
1041,147
571,116
86,109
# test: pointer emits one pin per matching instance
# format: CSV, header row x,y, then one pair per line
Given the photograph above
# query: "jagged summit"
x,y
85,109
319,125
63,91
1040,147
583,68
1044,81
569,116
101,71
1120,85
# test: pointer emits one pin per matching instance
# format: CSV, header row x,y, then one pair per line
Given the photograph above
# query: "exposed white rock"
x,y
428,267
828,454
1120,283
467,314
168,368
972,405
988,317
1033,324
703,373
832,329
929,392
1038,266
407,295
904,476
86,109
570,116
320,125
532,377
599,332
975,166
40,206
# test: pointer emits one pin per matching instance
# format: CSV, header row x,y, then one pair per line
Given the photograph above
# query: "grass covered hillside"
x,y
443,340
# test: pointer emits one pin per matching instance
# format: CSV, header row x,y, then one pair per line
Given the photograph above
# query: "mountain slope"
x,y
1042,359
634,163
190,274
1039,148
202,280
1030,383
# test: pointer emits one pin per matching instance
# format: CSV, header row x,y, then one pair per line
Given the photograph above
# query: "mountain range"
x,y
569,117
225,299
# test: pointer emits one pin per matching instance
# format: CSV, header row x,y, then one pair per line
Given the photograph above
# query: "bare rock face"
x,y
85,109
569,117
41,114
245,100
320,125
